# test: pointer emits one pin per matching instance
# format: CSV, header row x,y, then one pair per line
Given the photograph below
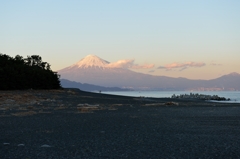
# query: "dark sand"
x,y
56,124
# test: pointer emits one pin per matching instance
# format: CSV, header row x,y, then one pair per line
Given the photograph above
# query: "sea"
x,y
233,95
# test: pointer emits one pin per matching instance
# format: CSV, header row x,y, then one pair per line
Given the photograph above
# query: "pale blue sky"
x,y
163,33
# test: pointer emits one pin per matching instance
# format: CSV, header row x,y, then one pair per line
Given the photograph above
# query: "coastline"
x,y
233,95
75,124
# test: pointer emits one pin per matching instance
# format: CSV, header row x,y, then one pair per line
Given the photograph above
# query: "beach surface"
x,y
72,124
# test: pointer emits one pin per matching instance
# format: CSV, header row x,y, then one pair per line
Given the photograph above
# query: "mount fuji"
x,y
94,70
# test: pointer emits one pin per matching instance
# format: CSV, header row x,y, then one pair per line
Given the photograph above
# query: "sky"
x,y
197,39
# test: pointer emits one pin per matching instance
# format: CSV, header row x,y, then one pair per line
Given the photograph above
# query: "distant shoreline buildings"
x,y
200,96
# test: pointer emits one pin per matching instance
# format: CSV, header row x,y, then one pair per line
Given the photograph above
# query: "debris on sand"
x,y
47,146
88,105
171,103
20,145
154,104
28,113
87,108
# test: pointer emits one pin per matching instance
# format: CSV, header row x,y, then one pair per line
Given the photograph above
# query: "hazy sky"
x,y
196,39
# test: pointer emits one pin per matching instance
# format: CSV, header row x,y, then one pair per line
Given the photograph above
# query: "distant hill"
x,y
96,71
229,82
88,87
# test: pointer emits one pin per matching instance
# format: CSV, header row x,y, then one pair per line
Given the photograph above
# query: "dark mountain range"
x,y
94,70
88,87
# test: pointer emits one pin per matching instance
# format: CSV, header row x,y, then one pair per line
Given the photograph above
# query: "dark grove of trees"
x,y
26,73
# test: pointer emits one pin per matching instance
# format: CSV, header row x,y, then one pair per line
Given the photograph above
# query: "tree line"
x,y
18,73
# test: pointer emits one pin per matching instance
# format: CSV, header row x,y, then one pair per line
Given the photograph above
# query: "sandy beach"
x,y
71,123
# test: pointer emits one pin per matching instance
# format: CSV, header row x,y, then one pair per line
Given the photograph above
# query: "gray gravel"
x,y
53,128
129,132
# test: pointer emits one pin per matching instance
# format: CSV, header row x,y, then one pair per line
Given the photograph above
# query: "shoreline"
x,y
75,124
233,95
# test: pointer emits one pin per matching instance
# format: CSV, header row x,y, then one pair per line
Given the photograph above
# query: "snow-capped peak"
x,y
91,61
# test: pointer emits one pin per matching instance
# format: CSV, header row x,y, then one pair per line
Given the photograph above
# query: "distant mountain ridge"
x,y
88,87
96,71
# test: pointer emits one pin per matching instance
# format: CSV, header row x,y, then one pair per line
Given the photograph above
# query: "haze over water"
x,y
233,95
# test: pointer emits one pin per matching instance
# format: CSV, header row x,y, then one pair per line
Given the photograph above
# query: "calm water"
x,y
233,95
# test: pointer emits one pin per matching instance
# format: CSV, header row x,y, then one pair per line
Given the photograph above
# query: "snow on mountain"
x,y
94,70
90,61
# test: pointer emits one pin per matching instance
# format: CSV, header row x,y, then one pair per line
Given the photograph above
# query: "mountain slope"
x,y
90,61
227,82
94,70
88,87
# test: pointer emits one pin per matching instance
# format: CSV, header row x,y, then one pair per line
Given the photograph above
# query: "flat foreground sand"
x,y
76,124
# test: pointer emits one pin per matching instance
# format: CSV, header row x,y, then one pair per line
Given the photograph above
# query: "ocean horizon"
x,y
233,95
